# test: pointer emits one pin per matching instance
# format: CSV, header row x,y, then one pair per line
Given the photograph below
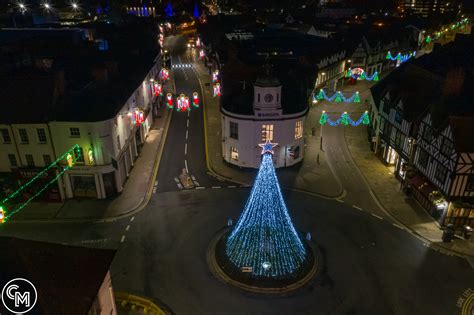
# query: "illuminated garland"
x,y
399,57
344,119
338,97
264,238
363,76
454,26
73,153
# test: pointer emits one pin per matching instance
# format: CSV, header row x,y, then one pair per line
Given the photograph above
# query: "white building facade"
x,y
241,134
108,148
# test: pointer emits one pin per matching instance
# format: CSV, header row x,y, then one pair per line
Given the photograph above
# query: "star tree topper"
x,y
267,147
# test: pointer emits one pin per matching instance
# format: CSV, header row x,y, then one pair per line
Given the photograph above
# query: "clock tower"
x,y
267,97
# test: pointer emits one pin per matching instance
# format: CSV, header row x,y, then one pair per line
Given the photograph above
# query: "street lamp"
x,y
74,6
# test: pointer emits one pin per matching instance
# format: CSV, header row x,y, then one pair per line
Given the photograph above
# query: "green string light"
x,y
67,155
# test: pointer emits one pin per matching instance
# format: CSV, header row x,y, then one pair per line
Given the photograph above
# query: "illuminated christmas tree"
x,y
264,238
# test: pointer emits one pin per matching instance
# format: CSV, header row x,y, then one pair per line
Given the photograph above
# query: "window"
x,y
29,160
234,130
79,155
267,132
399,139
12,158
46,159
427,133
258,97
299,129
446,146
6,136
74,133
441,173
23,136
423,158
470,183
234,153
398,116
41,135
119,147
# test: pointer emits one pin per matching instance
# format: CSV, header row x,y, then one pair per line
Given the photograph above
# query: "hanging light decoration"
x,y
169,101
338,97
201,54
344,119
195,99
158,89
215,76
217,89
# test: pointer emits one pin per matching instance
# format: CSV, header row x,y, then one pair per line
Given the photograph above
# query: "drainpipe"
x,y
16,145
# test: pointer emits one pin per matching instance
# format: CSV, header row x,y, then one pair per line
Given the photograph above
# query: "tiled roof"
x,y
462,128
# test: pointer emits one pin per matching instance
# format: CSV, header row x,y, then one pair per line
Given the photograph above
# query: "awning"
x,y
422,185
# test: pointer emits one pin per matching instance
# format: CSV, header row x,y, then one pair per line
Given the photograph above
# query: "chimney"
x,y
100,75
454,82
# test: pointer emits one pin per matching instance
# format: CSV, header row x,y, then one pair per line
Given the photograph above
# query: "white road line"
x,y
216,187
132,218
186,135
378,217
154,190
122,239
176,180
127,228
186,166
339,200
185,149
231,186
200,187
189,113
180,186
192,176
196,183
398,226
156,183
187,123
358,208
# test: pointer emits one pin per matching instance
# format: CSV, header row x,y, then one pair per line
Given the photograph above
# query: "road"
x,y
371,266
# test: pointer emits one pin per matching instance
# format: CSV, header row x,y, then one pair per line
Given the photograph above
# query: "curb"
x,y
140,205
342,192
221,275
135,301
393,218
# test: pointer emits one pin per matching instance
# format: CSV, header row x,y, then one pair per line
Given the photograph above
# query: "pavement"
x,y
135,194
312,176
339,170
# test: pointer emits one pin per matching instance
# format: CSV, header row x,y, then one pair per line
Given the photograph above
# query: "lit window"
x,y
234,153
299,129
267,132
79,155
74,133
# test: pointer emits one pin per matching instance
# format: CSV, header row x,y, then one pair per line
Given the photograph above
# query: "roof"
x,y
67,278
267,81
462,128
414,87
34,97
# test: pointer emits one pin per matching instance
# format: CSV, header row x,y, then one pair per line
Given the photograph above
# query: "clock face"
x,y
268,98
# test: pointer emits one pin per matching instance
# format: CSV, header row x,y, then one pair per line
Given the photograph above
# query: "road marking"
x,y
189,113
156,183
186,134
193,178
358,208
180,186
132,218
185,149
176,180
196,183
341,201
122,239
127,228
378,217
186,166
216,187
200,187
398,226
187,123
154,190
231,186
